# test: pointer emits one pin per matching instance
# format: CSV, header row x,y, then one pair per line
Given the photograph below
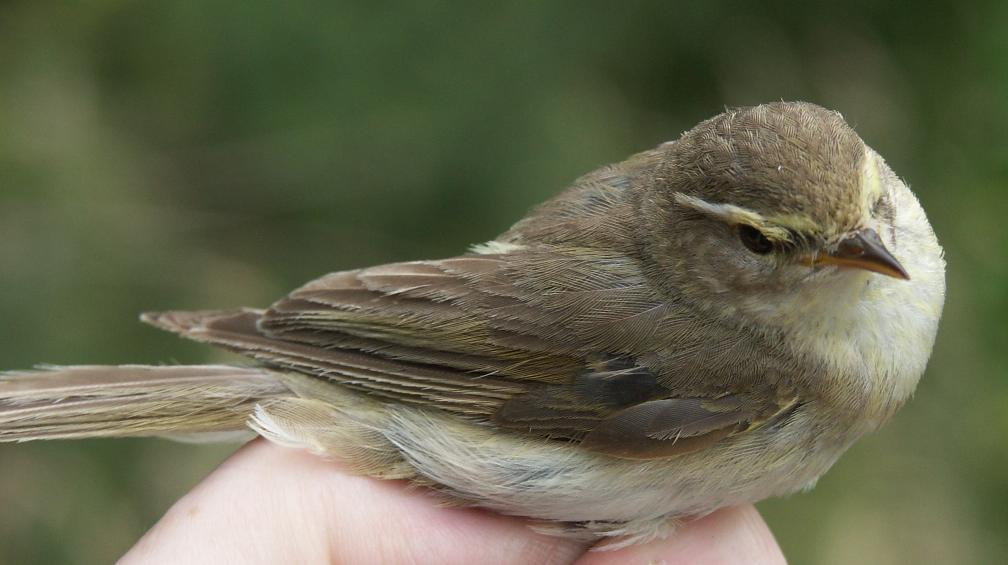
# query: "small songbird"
x,y
708,323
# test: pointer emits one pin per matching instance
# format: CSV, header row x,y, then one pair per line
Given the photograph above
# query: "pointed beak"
x,y
862,250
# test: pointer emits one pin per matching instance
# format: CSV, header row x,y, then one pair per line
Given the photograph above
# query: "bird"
x,y
707,323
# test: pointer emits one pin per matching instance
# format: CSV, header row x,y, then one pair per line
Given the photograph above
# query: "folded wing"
x,y
542,340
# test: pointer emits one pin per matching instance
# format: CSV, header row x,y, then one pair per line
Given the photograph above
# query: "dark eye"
x,y
883,209
754,240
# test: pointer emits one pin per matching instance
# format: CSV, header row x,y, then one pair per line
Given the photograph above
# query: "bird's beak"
x,y
861,250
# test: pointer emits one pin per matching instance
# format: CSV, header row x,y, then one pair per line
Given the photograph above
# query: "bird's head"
x,y
779,215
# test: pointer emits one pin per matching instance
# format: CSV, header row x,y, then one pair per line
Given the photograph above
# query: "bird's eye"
x,y
754,240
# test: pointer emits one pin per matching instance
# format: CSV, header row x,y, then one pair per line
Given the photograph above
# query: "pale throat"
x,y
868,328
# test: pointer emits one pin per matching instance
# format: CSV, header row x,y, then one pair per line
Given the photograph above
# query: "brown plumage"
x,y
674,314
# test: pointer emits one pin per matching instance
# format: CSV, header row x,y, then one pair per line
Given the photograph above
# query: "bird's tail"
x,y
197,402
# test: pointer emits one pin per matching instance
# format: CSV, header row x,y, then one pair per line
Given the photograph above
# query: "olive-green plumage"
x,y
706,323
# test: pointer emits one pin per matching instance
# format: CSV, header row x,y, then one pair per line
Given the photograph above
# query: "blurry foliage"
x,y
217,154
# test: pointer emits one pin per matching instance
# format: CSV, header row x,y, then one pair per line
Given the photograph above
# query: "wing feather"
x,y
556,342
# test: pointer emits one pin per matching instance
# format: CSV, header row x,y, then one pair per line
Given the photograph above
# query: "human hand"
x,y
267,504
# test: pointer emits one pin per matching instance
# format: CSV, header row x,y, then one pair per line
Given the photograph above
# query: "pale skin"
x,y
269,504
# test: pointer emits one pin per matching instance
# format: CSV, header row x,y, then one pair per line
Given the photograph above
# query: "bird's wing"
x,y
548,341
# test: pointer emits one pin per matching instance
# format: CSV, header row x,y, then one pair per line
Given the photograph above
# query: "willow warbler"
x,y
708,323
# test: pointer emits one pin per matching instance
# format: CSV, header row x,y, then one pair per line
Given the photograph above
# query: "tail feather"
x,y
131,400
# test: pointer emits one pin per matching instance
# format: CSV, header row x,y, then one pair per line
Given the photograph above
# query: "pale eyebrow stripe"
x,y
872,186
729,213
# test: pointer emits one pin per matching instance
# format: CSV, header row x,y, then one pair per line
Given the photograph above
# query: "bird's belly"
x,y
553,480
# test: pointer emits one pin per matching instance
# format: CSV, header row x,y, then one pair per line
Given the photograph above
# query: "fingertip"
x,y
730,536
268,504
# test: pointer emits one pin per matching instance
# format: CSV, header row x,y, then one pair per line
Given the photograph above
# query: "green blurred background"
x,y
195,155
